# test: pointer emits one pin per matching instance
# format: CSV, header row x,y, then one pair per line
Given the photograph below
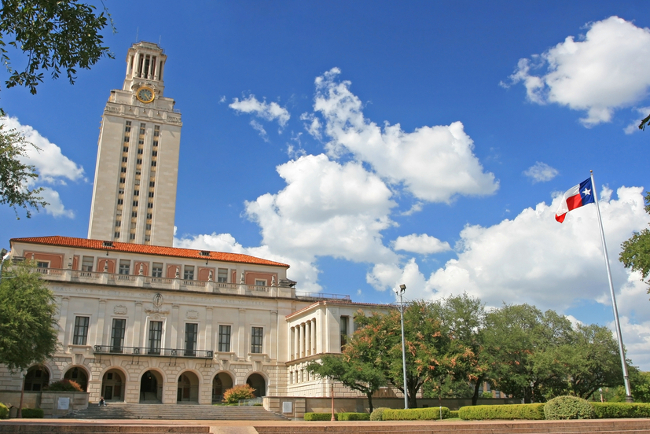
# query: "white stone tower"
x,y
134,195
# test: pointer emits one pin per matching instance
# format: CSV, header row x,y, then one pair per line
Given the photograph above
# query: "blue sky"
x,y
369,144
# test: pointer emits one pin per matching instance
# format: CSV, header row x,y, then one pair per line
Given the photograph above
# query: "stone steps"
x,y
174,412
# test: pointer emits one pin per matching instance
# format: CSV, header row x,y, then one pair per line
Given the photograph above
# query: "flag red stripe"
x,y
574,202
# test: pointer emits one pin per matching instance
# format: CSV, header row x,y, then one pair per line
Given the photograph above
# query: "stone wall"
x,y
54,404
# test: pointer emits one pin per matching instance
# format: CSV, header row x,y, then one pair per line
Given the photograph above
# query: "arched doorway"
x,y
113,385
37,378
79,376
151,385
221,382
257,382
188,387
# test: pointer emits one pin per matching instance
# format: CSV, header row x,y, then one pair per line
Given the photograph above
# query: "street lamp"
x,y
400,292
5,256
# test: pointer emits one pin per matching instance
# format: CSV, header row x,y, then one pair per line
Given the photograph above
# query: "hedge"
x,y
613,410
377,413
4,411
316,417
32,413
431,413
453,414
568,407
353,416
510,411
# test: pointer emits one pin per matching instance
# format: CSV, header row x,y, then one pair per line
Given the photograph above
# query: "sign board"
x,y
287,407
63,403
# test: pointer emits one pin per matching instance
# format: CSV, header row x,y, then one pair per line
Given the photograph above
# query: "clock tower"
x,y
134,194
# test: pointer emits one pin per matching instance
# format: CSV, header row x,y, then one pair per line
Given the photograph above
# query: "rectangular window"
x,y
260,282
148,226
116,235
120,201
125,266
257,335
155,336
149,216
117,335
42,264
126,139
188,272
147,238
131,236
157,269
134,214
344,330
136,192
118,223
222,275
224,338
139,161
141,142
150,205
120,191
152,184
80,330
123,170
128,123
156,130
122,180
140,151
153,163
127,129
154,154
135,203
87,263
151,194
191,332
124,159
155,143
125,149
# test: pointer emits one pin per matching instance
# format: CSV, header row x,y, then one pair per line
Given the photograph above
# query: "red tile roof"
x,y
147,250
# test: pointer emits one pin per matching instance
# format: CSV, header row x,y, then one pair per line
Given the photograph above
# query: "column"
x,y
102,338
243,337
208,345
63,320
273,340
137,325
292,343
308,340
313,336
298,341
173,341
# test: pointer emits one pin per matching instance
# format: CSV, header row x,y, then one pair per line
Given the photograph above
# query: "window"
x,y
157,269
116,235
152,184
141,142
126,139
80,330
118,223
344,331
156,130
188,272
260,282
191,332
155,143
124,159
147,237
87,263
125,266
117,335
135,203
123,170
148,226
140,151
40,264
224,338
120,191
128,123
151,194
153,163
136,192
149,205
155,336
122,180
120,201
127,129
154,154
133,225
139,161
257,334
134,214
149,216
222,275
131,236
125,149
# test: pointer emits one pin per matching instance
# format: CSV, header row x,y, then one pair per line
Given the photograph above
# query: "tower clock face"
x,y
145,94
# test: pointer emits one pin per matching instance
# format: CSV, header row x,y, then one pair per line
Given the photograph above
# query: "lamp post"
x,y
5,256
400,293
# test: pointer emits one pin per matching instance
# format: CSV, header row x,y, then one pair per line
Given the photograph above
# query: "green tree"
x,y
635,252
56,36
351,371
644,122
28,329
431,354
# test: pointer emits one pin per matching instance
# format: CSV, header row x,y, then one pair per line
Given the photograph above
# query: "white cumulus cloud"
x,y
424,244
55,206
541,172
607,69
433,163
268,111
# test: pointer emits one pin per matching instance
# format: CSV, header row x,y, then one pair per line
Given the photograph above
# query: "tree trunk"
x,y
369,395
477,387
412,399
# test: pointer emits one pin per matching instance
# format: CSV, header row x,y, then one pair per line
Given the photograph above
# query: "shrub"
x,y
613,410
353,416
32,413
377,413
568,407
453,414
4,411
319,417
510,411
64,385
486,395
237,393
431,413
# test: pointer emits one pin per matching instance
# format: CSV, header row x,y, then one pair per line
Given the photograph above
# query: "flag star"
x,y
586,191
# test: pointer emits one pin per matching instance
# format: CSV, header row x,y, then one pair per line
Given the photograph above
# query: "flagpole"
x,y
628,395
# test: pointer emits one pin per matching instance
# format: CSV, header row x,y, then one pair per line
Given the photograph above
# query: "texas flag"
x,y
575,197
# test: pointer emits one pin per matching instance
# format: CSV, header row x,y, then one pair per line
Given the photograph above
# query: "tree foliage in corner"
x,y
56,36
645,121
28,333
635,252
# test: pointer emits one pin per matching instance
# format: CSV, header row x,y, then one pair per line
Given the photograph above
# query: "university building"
x,y
141,321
